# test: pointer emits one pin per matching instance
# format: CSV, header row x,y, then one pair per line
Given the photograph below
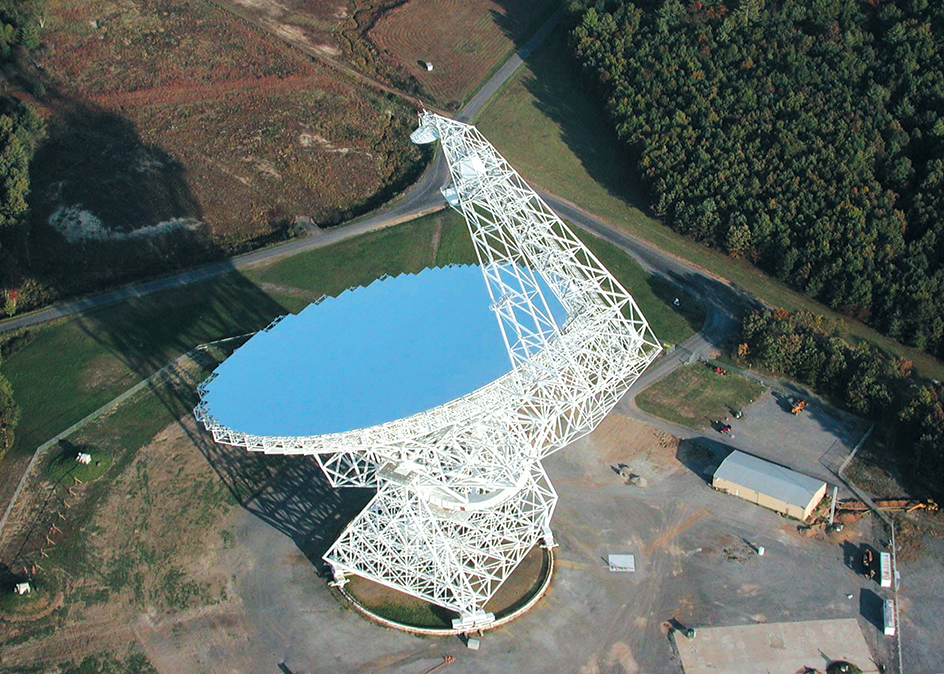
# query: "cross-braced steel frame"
x,y
461,492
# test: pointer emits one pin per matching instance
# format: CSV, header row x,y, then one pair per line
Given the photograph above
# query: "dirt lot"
x,y
463,39
249,598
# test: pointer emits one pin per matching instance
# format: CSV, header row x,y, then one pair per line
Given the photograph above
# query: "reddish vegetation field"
x,y
179,111
312,24
464,39
93,46
187,130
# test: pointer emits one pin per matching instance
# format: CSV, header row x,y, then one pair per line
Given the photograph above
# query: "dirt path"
x,y
318,54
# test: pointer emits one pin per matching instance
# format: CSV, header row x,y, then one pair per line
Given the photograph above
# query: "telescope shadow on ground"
x,y
299,502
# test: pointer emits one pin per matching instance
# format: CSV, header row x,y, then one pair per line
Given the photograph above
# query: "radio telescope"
x,y
461,492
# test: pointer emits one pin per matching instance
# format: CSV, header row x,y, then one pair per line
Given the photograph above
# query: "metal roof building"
x,y
769,485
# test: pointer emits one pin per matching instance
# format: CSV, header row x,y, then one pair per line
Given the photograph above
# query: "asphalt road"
x,y
722,302
422,198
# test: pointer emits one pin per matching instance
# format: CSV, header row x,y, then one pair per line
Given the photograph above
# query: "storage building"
x,y
769,485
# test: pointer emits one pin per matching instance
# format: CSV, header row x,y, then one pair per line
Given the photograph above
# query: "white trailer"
x,y
885,566
890,623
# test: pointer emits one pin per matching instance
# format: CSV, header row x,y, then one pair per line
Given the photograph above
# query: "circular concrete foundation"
x,y
518,594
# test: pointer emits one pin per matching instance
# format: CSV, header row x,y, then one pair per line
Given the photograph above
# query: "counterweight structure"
x,y
461,492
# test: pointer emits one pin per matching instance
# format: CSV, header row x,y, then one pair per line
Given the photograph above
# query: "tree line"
x,y
808,348
806,136
21,128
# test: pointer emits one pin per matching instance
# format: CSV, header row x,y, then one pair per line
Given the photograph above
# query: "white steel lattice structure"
x,y
461,492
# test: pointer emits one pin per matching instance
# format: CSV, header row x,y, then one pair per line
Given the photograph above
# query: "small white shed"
x,y
623,563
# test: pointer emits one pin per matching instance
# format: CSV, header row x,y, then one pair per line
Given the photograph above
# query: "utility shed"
x,y
769,485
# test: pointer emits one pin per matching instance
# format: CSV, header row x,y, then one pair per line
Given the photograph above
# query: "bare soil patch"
x,y
314,24
106,369
621,443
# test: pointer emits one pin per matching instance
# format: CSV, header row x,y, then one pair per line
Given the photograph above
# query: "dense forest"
x,y
20,131
809,348
804,135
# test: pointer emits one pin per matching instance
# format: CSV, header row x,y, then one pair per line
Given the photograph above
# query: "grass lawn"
x,y
63,371
120,434
63,466
695,395
557,137
654,295
416,612
11,602
399,607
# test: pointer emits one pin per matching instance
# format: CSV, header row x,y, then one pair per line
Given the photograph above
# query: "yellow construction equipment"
x,y
906,504
798,407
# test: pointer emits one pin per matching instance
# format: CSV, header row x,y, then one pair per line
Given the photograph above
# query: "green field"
x,y
63,467
554,133
695,396
63,371
654,295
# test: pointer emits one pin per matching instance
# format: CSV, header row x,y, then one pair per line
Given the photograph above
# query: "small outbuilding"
x,y
22,588
622,563
769,485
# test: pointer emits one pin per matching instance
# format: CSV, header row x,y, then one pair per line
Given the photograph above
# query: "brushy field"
x,y
178,133
557,137
465,40
149,536
696,396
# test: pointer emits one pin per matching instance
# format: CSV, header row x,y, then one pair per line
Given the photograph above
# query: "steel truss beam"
x,y
461,493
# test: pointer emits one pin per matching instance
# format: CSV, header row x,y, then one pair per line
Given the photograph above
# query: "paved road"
x,y
724,304
490,88
422,198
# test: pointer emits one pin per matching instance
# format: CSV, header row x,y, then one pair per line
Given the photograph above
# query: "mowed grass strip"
x,y
654,295
64,467
695,396
63,371
556,136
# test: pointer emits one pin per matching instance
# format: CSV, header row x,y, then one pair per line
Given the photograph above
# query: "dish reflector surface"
x,y
395,348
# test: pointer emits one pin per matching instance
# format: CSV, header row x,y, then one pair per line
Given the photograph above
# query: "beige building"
x,y
769,485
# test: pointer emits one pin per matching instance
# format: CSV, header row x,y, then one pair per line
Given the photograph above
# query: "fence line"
x,y
107,407
891,524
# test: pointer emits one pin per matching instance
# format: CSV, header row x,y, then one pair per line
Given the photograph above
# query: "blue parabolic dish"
x,y
375,354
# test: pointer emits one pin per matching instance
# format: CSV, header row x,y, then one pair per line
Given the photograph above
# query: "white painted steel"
x,y
461,493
